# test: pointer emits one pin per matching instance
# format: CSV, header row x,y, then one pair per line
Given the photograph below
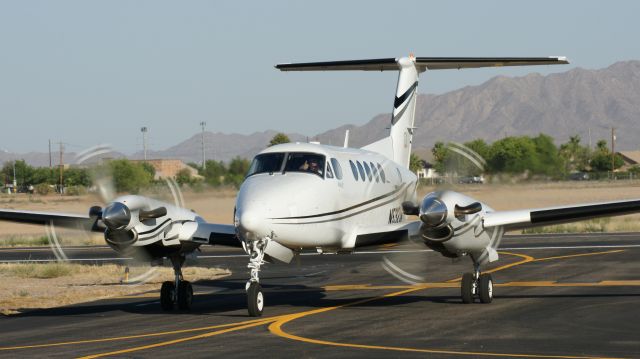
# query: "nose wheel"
x,y
255,298
476,285
179,292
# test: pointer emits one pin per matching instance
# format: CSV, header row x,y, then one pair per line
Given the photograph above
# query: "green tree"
x,y
512,155
77,177
215,172
184,177
415,163
45,175
278,139
574,155
601,158
480,147
238,168
439,152
128,176
547,160
148,167
23,172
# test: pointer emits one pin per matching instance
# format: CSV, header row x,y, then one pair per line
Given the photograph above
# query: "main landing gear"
x,y
179,291
476,285
255,298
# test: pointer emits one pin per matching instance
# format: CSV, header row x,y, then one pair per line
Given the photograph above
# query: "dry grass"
x,y
47,285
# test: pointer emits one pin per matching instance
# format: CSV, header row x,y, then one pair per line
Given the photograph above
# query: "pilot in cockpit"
x,y
312,166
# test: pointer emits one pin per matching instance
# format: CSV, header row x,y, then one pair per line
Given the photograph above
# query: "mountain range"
x,y
578,101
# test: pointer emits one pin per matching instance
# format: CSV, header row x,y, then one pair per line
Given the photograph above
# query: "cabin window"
x,y
381,172
368,170
375,171
266,163
305,162
329,171
361,170
354,170
336,168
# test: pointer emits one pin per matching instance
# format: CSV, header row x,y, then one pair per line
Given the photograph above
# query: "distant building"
x,y
630,158
169,168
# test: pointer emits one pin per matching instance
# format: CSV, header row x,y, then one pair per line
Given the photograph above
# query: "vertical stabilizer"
x,y
404,111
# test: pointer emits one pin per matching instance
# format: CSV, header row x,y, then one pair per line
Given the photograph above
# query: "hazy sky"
x,y
90,72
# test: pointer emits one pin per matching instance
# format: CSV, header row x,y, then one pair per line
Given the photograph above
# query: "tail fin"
x,y
398,145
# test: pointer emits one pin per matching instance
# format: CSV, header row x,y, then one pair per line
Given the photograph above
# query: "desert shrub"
x,y
43,189
76,190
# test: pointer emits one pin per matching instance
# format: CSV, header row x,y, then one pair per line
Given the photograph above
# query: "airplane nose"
x,y
250,222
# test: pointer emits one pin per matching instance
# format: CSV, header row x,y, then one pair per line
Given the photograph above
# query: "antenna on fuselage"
x,y
346,139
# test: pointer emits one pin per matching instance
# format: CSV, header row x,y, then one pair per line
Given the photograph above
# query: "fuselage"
x,y
306,195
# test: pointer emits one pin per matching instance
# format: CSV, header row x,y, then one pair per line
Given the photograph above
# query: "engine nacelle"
x,y
137,221
452,225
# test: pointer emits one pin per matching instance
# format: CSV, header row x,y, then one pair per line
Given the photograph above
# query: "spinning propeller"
x,y
442,213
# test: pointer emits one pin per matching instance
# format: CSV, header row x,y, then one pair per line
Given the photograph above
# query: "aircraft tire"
x,y
166,296
255,299
485,288
466,288
185,295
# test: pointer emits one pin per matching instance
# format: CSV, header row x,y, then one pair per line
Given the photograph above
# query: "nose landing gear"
x,y
255,298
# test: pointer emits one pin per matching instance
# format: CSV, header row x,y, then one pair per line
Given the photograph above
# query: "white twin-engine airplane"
x,y
333,199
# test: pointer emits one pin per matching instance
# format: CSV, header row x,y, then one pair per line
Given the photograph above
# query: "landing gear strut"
x,y
179,291
476,285
255,298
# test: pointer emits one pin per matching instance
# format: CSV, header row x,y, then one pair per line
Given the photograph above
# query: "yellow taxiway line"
x,y
158,334
276,326
181,340
277,322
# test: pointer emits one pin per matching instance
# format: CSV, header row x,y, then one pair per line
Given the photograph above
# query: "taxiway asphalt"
x,y
556,296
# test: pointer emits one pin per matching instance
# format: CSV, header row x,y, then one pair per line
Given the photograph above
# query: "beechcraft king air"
x,y
300,196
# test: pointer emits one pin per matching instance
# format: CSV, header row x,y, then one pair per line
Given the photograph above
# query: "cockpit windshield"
x,y
266,163
305,162
295,162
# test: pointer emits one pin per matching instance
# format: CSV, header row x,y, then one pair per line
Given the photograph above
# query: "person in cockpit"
x,y
313,166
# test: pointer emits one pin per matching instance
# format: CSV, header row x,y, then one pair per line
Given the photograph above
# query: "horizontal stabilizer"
x,y
422,63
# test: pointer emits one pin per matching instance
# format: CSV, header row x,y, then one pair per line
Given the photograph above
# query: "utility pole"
x,y
50,164
590,139
204,163
61,167
15,182
144,131
613,149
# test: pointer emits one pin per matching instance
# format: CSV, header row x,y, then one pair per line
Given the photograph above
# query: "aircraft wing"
x,y
66,220
527,218
422,63
217,234
392,233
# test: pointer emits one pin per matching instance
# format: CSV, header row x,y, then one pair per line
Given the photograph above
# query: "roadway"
x,y
556,296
